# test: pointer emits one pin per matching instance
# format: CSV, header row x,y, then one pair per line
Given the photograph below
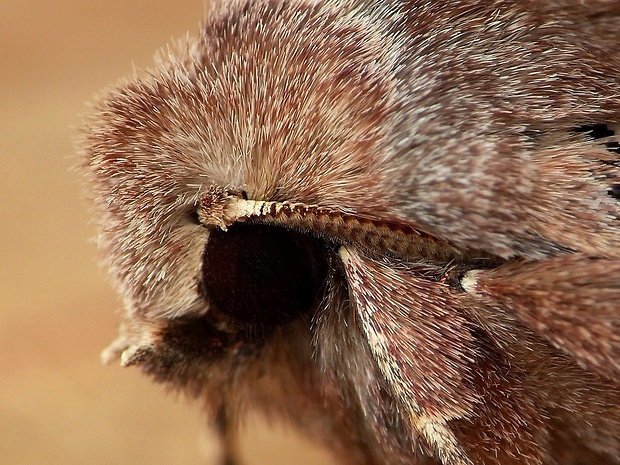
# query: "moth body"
x,y
393,224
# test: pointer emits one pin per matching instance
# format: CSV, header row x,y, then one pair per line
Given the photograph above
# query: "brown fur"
x,y
458,119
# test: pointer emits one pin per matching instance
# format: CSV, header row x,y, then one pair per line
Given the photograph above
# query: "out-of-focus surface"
x,y
58,404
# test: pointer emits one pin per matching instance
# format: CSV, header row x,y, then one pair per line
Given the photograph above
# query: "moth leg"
x,y
423,346
227,438
572,301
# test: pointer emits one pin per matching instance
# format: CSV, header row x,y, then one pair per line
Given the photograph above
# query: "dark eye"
x,y
262,275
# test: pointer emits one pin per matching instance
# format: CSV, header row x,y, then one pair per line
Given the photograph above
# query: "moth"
x,y
393,224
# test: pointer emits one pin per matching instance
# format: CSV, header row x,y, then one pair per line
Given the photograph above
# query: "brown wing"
x,y
496,132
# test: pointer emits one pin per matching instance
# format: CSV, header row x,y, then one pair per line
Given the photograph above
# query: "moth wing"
x,y
588,7
525,180
573,301
574,203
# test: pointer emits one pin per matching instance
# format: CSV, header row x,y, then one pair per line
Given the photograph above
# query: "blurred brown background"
x,y
58,404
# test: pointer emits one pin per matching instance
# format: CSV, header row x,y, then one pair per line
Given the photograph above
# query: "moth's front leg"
x,y
227,438
572,300
459,392
558,319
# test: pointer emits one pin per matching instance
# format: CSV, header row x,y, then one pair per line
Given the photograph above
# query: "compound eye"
x,y
262,275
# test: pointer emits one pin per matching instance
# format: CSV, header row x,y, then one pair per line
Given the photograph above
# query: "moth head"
x,y
274,105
